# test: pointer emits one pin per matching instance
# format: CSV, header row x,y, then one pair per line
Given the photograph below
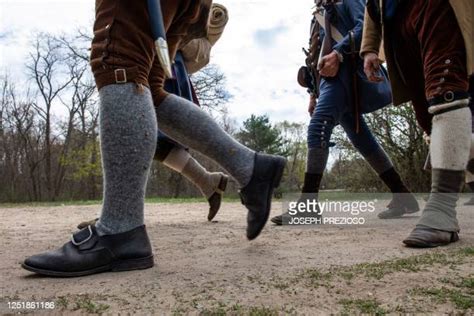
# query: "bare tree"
x,y
294,143
49,146
59,69
46,69
21,144
209,84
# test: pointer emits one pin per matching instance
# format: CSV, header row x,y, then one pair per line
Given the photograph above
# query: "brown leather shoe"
x,y
425,237
216,199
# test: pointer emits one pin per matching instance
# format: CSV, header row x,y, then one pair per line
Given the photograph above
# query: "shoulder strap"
x,y
337,36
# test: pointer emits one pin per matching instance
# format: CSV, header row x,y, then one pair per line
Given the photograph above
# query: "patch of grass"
x,y
262,311
158,200
468,251
155,200
281,285
215,311
239,310
49,204
177,311
461,300
278,282
364,306
410,264
468,283
85,303
380,269
347,275
315,278
445,280
236,308
62,301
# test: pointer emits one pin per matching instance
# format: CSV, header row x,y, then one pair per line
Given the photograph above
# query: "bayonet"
x,y
159,36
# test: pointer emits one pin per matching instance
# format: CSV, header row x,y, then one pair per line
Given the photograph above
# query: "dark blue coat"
x,y
337,93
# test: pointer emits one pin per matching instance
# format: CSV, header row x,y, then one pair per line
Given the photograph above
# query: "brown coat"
x,y
123,42
374,33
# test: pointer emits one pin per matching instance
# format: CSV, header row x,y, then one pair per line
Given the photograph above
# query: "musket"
x,y
311,54
159,36
318,50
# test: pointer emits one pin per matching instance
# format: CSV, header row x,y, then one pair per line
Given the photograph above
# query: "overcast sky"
x,y
260,51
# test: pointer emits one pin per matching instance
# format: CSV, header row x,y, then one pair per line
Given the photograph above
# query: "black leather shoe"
x,y
257,194
278,220
216,199
401,204
285,218
425,237
88,253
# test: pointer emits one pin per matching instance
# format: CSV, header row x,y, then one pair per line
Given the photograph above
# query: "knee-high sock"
x,y
451,140
470,165
317,160
128,132
450,147
383,166
368,146
192,127
312,182
181,161
378,160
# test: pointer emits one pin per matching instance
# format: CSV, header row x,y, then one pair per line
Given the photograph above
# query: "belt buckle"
x,y
121,72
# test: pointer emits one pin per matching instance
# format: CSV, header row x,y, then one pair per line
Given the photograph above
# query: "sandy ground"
x,y
211,269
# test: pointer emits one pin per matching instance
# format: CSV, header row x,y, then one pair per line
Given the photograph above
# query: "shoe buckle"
x,y
75,243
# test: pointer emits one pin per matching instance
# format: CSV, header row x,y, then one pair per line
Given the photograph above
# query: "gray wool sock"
x,y
440,210
128,132
186,123
317,160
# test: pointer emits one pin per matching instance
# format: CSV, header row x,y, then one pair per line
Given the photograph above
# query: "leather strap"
x,y
118,76
336,35
355,82
449,96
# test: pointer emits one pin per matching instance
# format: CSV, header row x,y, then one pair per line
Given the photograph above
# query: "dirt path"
x,y
211,269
